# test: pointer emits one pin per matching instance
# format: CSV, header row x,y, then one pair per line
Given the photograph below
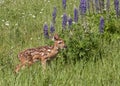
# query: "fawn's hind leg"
x,y
19,66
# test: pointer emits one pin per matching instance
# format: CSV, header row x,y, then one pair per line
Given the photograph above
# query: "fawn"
x,y
43,54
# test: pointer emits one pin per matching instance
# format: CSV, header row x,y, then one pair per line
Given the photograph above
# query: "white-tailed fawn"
x,y
43,54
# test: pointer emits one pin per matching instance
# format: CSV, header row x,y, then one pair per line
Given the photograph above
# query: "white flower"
x,y
48,1
40,12
31,38
3,20
33,16
61,16
12,47
7,23
73,22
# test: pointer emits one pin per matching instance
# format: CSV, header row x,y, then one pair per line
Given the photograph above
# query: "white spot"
x,y
61,16
7,23
73,22
33,16
48,50
40,12
48,1
31,38
3,20
42,54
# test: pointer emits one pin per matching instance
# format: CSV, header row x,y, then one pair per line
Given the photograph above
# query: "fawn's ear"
x,y
55,37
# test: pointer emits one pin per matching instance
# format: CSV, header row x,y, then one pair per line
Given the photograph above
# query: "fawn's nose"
x,y
65,46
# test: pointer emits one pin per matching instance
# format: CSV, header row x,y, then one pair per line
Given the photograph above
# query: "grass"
x,y
21,27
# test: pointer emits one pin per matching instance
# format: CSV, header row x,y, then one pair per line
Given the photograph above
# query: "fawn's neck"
x,y
55,48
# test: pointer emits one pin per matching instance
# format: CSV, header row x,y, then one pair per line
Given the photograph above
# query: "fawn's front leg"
x,y
43,62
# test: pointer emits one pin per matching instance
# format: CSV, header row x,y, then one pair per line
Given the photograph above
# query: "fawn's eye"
x,y
59,42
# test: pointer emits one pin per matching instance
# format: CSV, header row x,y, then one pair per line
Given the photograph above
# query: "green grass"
x,y
21,27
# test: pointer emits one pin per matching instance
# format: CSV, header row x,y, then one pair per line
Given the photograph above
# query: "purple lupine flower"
x,y
54,14
108,5
64,20
52,28
83,7
116,4
75,15
69,22
101,28
45,29
64,4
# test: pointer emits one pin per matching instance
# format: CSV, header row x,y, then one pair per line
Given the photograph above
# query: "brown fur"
x,y
43,53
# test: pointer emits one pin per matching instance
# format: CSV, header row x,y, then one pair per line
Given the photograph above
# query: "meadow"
x,y
92,57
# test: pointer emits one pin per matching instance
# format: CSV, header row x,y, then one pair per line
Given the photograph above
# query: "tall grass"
x,y
91,58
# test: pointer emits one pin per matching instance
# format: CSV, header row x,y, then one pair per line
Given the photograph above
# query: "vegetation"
x,y
92,57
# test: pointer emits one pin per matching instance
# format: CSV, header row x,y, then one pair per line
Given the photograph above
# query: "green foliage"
x,y
81,44
113,26
91,58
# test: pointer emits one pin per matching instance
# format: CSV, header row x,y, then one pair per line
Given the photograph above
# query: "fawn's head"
x,y
58,42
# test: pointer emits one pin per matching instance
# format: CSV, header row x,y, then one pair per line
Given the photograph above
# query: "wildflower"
x,y
31,38
75,15
54,14
101,28
64,20
116,4
45,29
40,12
52,28
69,22
7,23
64,4
83,6
33,16
48,0
3,20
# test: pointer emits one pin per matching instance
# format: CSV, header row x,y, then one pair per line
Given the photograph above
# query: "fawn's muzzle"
x,y
65,46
